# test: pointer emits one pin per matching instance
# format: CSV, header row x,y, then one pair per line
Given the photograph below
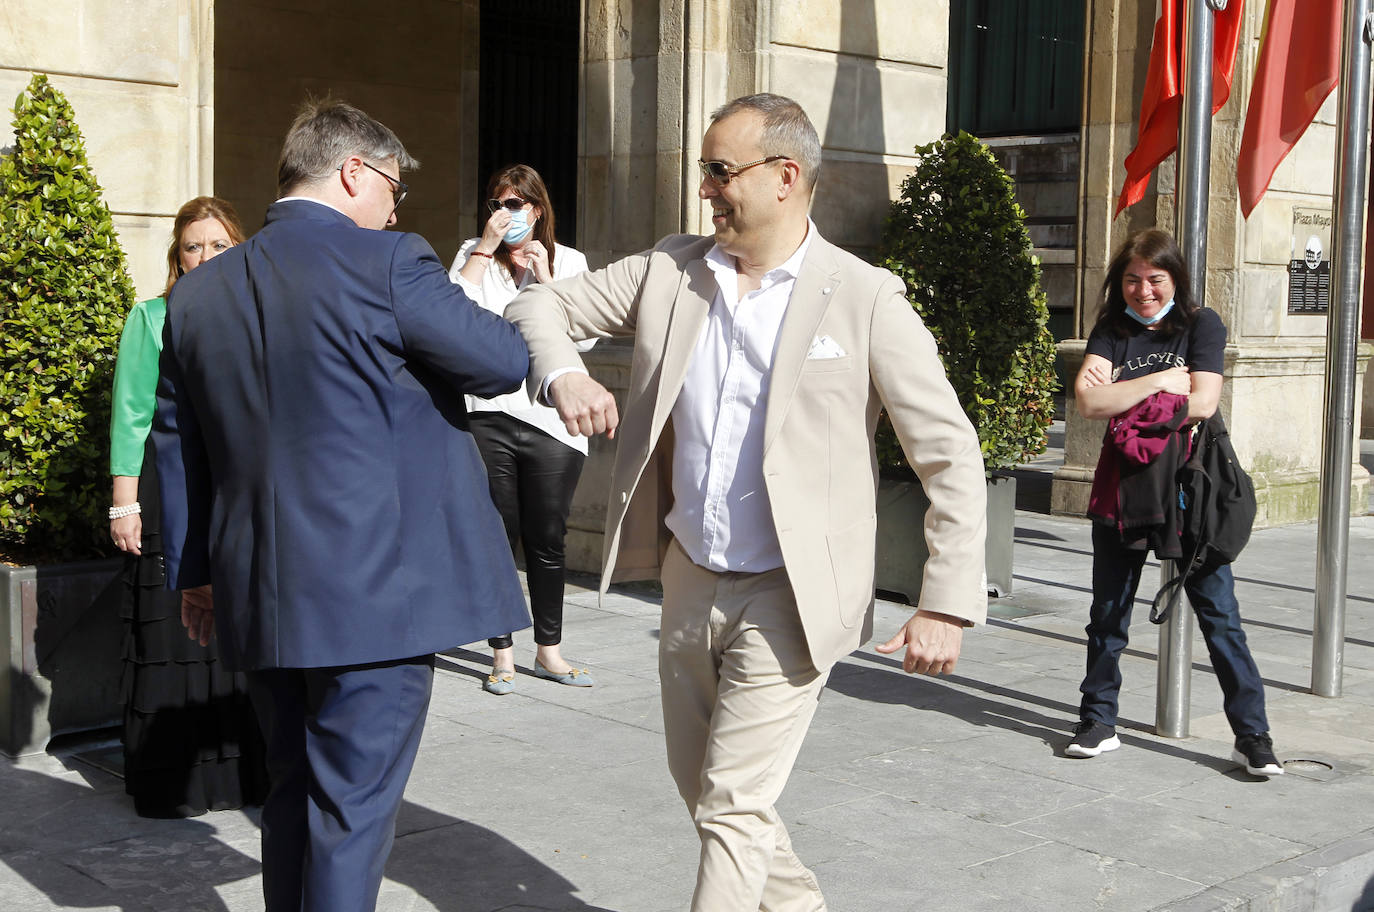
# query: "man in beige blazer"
x,y
745,477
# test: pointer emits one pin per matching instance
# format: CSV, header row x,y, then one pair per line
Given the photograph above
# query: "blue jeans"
x,y
1212,591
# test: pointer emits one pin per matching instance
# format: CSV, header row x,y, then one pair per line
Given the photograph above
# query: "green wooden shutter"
x,y
1015,66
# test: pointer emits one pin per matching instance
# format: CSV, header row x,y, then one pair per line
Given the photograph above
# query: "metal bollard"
x,y
1174,669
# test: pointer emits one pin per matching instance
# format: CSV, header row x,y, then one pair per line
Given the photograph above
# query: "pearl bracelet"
x,y
127,510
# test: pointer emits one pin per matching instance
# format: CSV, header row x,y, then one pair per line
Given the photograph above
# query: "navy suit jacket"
x,y
313,448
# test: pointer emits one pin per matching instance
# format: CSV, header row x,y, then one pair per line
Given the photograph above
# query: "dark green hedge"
x,y
957,238
64,291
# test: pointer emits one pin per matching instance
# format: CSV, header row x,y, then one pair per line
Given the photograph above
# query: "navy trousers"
x,y
1212,591
340,746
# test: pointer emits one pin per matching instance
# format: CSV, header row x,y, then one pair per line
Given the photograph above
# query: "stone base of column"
x,y
609,363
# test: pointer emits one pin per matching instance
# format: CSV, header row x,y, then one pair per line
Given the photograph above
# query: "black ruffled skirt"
x,y
191,739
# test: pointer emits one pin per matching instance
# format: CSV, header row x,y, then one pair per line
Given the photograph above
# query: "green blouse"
x,y
135,385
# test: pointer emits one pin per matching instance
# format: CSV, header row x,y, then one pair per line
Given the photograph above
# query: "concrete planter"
x,y
63,642
901,551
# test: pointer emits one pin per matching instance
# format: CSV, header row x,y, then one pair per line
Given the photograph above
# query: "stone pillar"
x,y
653,70
610,364
1275,360
139,75
873,76
415,71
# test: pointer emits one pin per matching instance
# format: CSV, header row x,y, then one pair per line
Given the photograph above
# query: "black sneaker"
x,y
1256,752
1092,738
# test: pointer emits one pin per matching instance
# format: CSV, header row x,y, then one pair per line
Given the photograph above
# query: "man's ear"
x,y
790,181
350,175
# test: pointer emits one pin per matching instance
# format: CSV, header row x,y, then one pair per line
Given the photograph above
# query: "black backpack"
x,y
1218,503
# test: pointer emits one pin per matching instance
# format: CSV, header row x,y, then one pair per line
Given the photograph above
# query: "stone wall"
x,y
413,67
139,76
873,76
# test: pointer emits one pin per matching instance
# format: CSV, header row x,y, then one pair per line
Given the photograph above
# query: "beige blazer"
x,y
819,463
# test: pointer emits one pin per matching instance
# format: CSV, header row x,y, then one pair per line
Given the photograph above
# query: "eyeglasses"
x,y
720,174
399,189
514,204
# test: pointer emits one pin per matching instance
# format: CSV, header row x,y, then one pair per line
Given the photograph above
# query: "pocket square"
x,y
824,347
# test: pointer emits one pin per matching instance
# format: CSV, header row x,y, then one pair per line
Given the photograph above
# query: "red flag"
x,y
1163,98
1299,64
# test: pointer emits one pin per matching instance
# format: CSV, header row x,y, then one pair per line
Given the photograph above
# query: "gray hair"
x,y
786,130
324,133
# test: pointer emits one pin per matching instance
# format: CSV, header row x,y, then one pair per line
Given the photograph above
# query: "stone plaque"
x,y
1309,264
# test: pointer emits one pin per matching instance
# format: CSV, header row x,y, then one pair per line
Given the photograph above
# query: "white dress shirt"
x,y
721,515
495,292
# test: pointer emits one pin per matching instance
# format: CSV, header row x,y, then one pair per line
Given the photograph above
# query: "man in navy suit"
x,y
317,469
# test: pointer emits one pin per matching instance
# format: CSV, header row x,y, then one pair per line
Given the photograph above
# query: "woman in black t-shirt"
x,y
1150,338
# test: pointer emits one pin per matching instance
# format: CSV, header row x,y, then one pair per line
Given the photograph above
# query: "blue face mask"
x,y
1150,321
520,227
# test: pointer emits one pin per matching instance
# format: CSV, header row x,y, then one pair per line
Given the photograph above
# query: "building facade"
x,y
609,100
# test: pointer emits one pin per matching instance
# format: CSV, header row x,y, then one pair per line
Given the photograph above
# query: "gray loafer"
x,y
501,681
574,677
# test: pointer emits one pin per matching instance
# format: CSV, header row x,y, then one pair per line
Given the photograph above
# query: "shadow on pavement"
x,y
926,693
122,861
462,867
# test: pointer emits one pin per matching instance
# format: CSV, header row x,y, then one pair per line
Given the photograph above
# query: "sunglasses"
x,y
514,204
399,189
719,173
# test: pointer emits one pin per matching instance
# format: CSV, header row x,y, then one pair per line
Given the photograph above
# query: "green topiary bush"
x,y
64,291
957,238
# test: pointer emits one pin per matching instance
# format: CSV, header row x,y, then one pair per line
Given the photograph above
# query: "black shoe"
x,y
1256,752
1092,738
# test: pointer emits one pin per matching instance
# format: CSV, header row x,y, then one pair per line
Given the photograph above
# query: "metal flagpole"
x,y
1175,665
1342,334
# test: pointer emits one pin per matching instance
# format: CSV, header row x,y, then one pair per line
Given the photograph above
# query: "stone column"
x,y
873,76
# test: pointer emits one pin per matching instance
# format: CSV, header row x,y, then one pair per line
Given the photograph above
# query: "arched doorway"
x,y
528,90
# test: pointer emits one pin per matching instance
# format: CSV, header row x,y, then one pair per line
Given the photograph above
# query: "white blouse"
x,y
497,290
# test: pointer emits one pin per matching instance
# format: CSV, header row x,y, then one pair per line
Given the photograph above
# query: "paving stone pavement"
x,y
910,793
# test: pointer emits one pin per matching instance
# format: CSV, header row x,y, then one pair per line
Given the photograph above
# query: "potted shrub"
x,y
65,292
957,237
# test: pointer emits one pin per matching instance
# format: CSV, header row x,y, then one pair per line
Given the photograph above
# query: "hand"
x,y
1175,380
494,231
537,259
127,533
586,407
1097,375
198,613
932,643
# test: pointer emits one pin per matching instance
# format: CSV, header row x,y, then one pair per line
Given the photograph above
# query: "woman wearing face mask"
x,y
533,463
191,739
1154,357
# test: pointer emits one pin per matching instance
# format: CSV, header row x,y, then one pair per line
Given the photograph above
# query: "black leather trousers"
x,y
532,478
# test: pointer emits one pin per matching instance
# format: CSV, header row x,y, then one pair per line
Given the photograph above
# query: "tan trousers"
x,y
739,692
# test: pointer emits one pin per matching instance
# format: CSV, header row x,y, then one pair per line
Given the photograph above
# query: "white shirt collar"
x,y
720,261
311,199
